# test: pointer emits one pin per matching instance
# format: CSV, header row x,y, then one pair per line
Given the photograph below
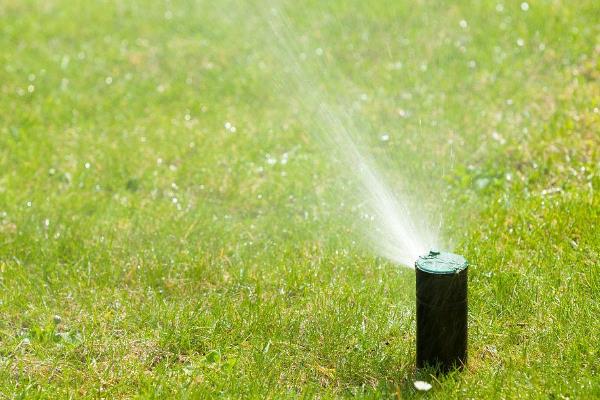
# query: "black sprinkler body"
x,y
441,311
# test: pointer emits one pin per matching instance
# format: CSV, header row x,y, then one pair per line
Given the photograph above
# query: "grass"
x,y
148,252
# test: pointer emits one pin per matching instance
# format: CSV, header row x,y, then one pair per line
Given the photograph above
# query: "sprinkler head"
x,y
441,310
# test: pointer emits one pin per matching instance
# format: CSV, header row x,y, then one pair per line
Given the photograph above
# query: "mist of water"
x,y
395,230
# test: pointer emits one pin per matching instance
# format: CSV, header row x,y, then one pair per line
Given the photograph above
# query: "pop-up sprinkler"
x,y
441,311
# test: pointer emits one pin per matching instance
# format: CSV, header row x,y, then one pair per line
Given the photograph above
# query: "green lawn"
x,y
154,244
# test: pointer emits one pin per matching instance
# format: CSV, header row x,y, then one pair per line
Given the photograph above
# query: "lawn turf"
x,y
153,243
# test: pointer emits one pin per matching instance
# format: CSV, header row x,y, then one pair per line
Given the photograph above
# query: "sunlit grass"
x,y
154,243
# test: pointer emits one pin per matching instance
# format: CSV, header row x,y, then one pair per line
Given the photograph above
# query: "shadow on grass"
x,y
401,384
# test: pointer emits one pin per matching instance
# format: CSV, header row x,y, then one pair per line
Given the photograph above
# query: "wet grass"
x,y
153,242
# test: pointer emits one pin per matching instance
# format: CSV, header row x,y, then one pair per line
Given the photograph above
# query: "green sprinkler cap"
x,y
437,262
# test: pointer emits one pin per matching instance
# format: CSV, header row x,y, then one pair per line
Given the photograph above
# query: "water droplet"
x,y
482,183
230,127
498,138
551,191
396,65
271,160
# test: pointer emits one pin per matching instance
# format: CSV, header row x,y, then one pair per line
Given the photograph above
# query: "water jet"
x,y
441,310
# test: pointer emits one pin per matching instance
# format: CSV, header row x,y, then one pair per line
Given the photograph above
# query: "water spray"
x,y
441,277
441,311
